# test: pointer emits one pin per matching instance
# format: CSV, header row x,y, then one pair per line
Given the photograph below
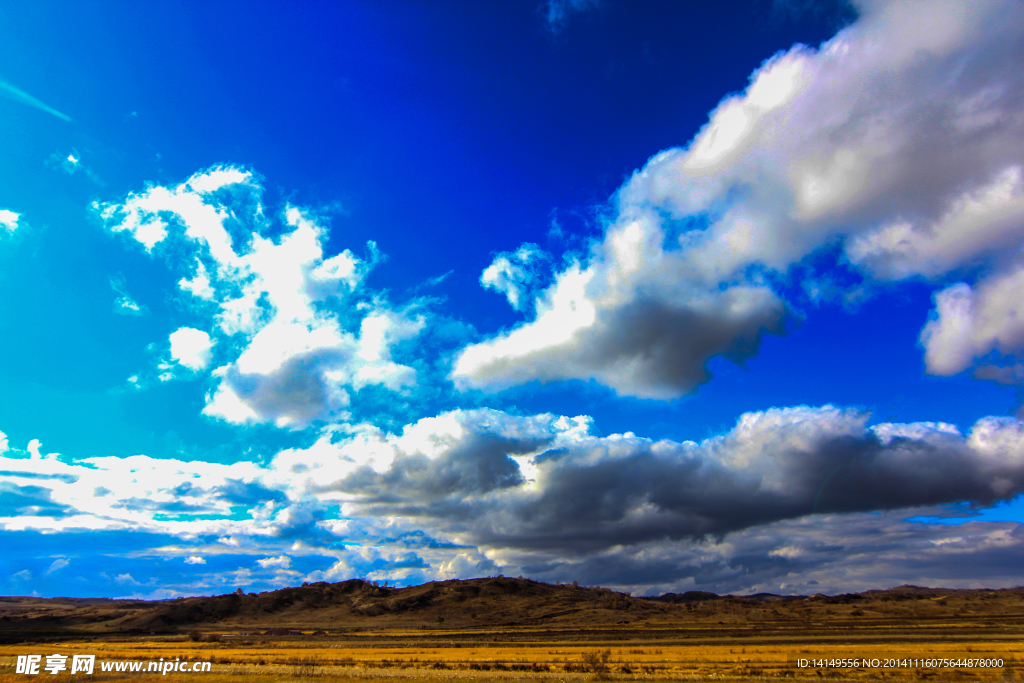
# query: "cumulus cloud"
x,y
279,562
34,447
9,220
307,335
637,340
581,493
900,140
499,481
466,565
482,491
970,323
191,347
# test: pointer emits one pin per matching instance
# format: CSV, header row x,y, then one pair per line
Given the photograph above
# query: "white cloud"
x,y
901,139
625,323
33,447
194,559
191,202
309,334
4,446
279,562
972,322
199,284
70,163
513,274
191,347
126,578
127,306
464,565
57,565
144,492
9,220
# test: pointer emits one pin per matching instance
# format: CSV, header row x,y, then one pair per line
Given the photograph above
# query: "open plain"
x,y
510,629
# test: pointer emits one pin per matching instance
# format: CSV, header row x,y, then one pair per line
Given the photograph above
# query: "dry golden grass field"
x,y
513,629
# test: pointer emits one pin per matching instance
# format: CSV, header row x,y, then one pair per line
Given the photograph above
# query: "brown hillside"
x,y
350,604
358,605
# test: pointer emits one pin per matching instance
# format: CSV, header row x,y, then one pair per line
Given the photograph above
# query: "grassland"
x,y
509,630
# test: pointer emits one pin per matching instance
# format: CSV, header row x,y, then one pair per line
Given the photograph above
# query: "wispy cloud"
x,y
57,565
515,274
72,163
12,92
558,12
124,304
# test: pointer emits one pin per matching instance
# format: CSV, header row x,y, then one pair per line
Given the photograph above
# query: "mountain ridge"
x,y
358,604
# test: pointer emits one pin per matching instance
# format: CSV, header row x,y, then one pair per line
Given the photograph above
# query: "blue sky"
x,y
658,296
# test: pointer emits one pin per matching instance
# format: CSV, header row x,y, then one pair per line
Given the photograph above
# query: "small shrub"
x,y
597,662
308,667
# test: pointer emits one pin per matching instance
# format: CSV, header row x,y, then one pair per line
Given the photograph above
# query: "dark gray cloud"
x,y
588,494
479,464
298,390
819,553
